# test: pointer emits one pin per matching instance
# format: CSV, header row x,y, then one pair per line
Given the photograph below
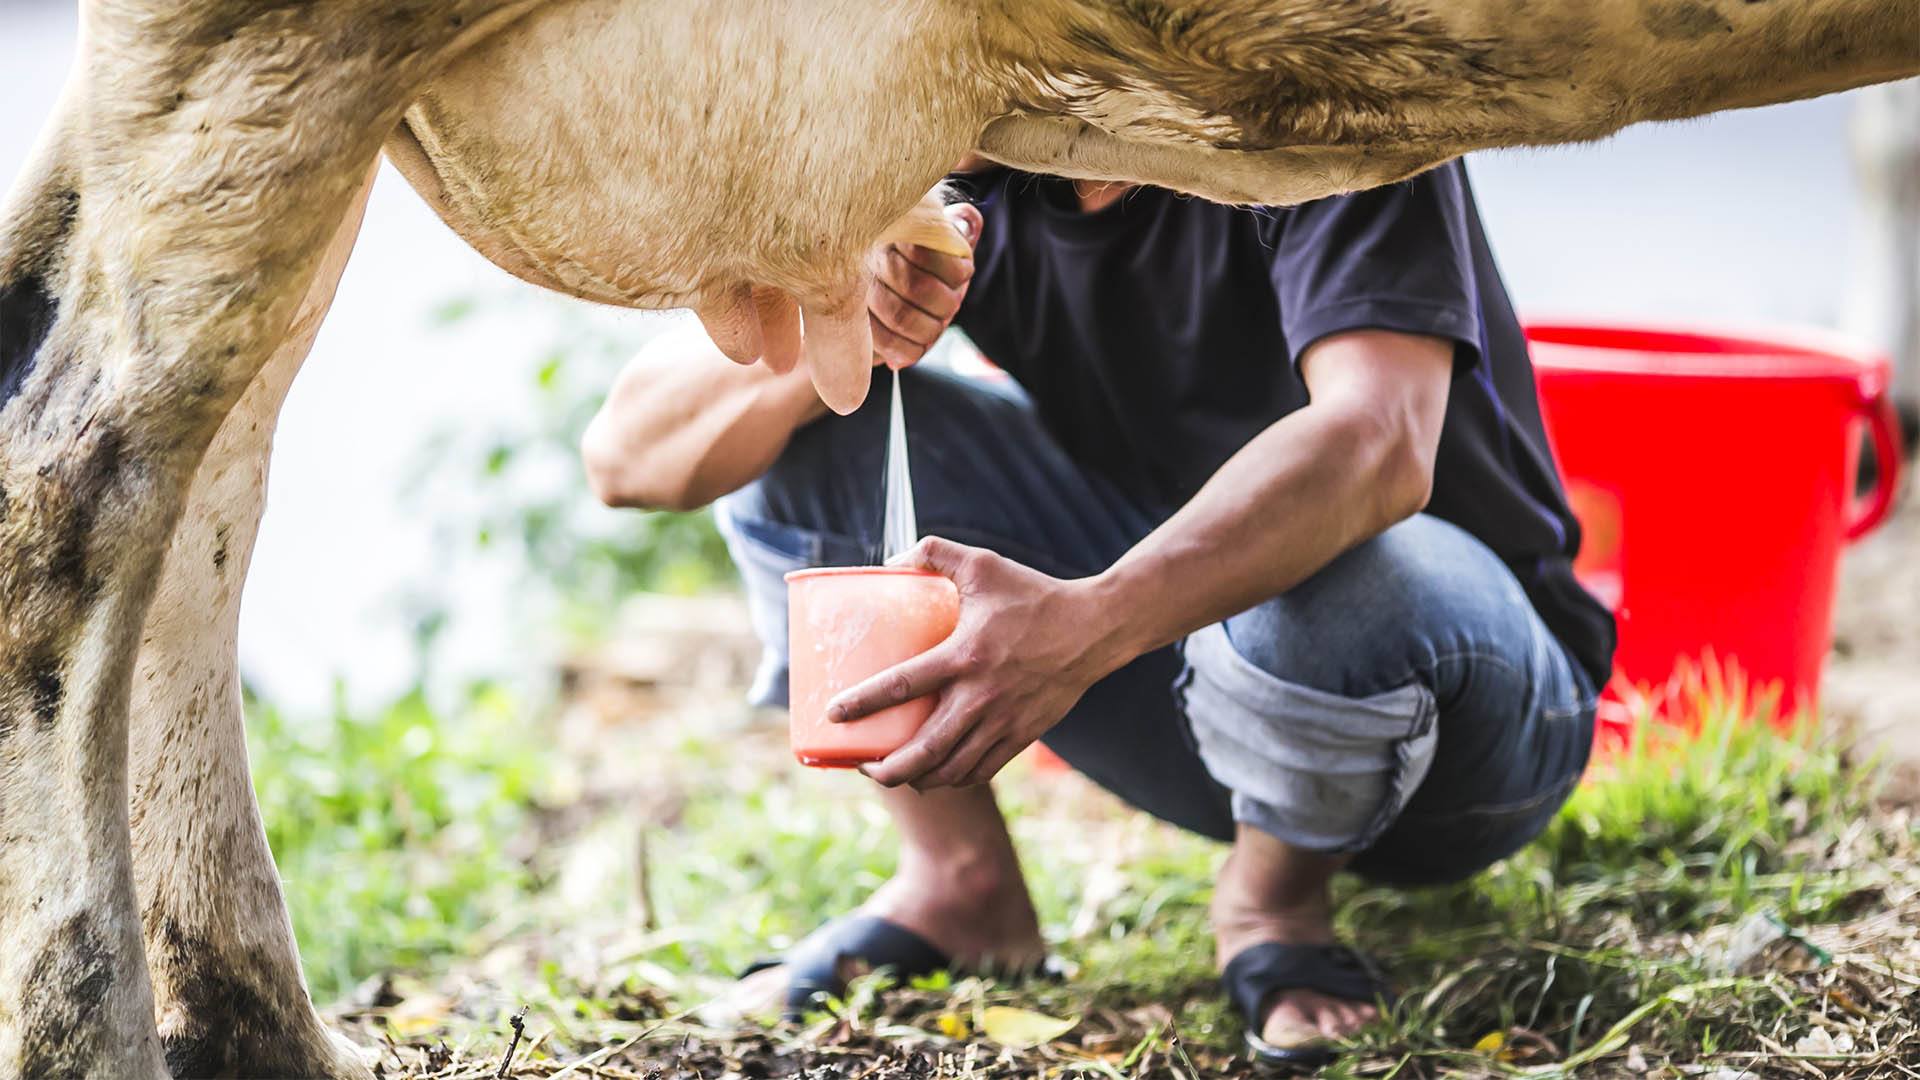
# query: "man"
x,y
1191,556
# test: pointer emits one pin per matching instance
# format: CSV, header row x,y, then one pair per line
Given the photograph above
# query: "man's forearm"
x,y
1344,469
683,425
1308,488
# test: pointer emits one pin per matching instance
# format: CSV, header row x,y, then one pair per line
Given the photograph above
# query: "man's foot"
x,y
1271,893
958,886
972,921
1295,1017
976,911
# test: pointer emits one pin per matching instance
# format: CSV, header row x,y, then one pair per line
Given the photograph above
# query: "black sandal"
x,y
813,963
1260,971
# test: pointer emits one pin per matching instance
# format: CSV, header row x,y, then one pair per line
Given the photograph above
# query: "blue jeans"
x,y
1405,704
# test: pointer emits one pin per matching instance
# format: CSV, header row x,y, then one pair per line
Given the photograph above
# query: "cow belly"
x,y
654,154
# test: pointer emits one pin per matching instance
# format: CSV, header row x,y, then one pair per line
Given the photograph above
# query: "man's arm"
x,y
683,425
1353,462
1356,461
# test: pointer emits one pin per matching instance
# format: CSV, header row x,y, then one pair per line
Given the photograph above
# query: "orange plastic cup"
x,y
844,624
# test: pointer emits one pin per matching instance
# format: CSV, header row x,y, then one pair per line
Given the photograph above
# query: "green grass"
x,y
1582,931
411,843
400,835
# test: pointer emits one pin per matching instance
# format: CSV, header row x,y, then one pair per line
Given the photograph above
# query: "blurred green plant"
x,y
400,835
515,490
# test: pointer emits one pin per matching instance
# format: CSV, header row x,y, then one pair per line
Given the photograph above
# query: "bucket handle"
x,y
1885,425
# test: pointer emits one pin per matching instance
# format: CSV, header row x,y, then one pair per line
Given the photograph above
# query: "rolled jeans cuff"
x,y
1313,769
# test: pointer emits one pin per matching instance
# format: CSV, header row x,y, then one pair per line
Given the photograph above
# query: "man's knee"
x,y
1319,770
1319,708
821,478
1387,613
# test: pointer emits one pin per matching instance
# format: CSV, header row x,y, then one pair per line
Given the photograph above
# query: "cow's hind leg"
x,y
150,264
226,975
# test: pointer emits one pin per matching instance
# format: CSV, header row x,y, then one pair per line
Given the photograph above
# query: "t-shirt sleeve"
x,y
1390,258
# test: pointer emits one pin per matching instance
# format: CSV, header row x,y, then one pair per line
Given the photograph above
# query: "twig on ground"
x,y
643,882
1781,1053
1176,1049
593,1060
518,1021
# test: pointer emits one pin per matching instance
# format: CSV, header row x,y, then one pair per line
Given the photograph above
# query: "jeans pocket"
x,y
786,544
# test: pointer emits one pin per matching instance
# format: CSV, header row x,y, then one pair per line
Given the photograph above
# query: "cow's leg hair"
x,y
226,975
151,262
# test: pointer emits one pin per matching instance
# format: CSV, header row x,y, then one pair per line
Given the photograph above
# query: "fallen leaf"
x,y
1525,1044
419,1014
1841,999
1816,1041
1022,1029
1821,1041
952,1025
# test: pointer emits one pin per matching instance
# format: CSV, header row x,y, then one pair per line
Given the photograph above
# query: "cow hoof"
x,y
334,1057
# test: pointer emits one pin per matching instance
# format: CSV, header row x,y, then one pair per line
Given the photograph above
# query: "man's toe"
x,y
1355,1015
1288,1026
763,993
1292,1022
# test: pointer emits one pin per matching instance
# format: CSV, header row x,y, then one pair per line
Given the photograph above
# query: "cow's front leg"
x,y
152,259
226,974
77,478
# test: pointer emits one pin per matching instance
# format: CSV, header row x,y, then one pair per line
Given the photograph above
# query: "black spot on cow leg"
x,y
95,478
1684,20
69,980
199,1054
220,535
231,1028
26,314
47,692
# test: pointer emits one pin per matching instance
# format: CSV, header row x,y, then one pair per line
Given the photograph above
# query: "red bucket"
x,y
1713,475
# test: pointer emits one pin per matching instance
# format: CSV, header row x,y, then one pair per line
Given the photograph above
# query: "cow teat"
x,y
839,344
839,339
751,323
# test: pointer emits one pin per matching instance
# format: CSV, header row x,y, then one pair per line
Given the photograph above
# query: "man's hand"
x,y
1025,649
916,292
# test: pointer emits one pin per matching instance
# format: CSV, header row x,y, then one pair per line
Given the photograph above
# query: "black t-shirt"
x,y
1159,335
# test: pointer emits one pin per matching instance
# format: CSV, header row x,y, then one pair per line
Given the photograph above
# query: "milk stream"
x,y
900,530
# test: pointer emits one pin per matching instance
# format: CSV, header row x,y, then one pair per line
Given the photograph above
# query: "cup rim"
x,y
848,571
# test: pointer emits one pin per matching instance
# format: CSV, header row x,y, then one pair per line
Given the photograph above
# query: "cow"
x,y
169,249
